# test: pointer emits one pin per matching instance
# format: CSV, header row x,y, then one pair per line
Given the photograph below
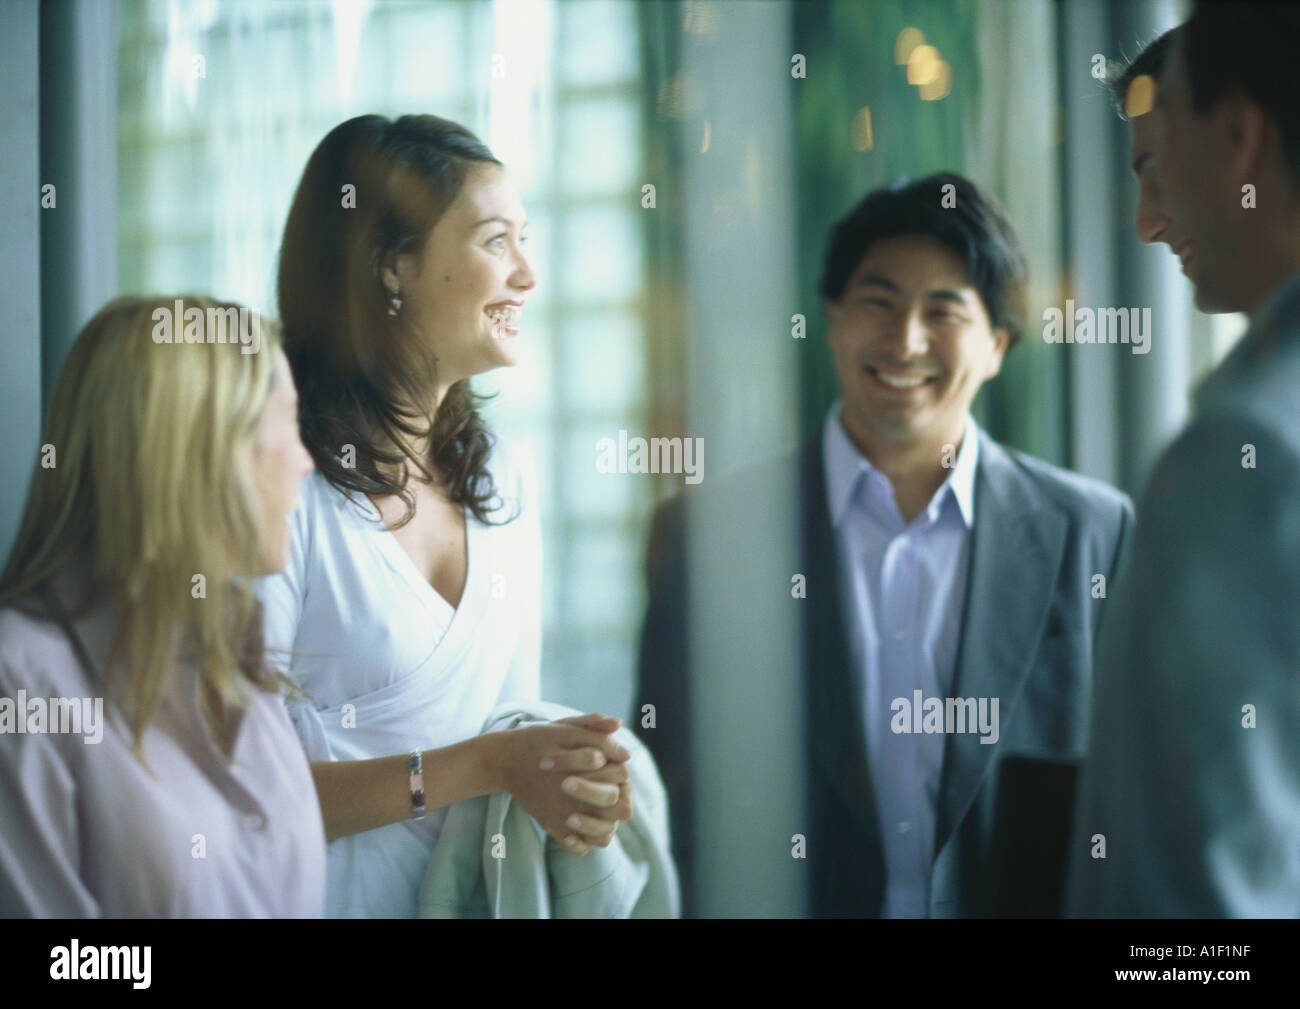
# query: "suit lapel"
x,y
1016,549
834,705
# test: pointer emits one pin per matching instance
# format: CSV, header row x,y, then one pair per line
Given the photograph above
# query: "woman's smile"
x,y
505,317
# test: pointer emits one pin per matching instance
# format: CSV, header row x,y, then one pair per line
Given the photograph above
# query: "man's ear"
x,y
1001,344
1247,132
832,310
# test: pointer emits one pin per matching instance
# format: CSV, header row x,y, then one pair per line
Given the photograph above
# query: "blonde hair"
x,y
148,475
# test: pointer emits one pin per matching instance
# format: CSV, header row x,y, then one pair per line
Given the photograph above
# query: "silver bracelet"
x,y
415,765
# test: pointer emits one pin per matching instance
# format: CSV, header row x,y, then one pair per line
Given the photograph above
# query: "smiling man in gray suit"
x,y
953,586
1190,799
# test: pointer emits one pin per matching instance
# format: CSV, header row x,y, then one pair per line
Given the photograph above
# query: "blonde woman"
x,y
165,479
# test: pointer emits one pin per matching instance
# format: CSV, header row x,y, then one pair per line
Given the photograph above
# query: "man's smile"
x,y
898,380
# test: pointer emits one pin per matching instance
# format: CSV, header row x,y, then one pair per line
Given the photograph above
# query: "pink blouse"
x,y
87,830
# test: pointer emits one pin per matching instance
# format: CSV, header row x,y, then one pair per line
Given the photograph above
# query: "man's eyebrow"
x,y
876,280
946,295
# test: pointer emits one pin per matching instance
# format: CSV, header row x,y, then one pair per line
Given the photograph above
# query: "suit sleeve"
x,y
1119,562
1123,542
1193,775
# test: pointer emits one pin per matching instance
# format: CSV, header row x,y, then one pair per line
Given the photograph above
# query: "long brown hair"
x,y
373,188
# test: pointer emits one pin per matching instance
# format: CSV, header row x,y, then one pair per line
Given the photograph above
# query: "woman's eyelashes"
x,y
502,236
498,242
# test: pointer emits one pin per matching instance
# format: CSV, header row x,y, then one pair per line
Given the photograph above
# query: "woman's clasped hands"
x,y
571,776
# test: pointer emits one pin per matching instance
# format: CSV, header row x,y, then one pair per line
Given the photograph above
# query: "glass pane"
x,y
593,602
587,493
601,253
604,361
603,34
600,148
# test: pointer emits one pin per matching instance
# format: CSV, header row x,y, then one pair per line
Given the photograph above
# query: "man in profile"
x,y
1133,90
1189,800
944,573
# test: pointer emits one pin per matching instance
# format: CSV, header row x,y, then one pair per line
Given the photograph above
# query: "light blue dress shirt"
x,y
903,590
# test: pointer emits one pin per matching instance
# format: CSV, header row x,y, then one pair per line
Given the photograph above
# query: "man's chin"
x,y
1209,302
891,422
1209,295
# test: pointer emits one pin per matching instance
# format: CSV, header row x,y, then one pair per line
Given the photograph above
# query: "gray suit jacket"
x,y
1193,775
1040,536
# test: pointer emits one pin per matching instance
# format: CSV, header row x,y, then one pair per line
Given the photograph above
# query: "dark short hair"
x,y
1254,47
976,228
1150,62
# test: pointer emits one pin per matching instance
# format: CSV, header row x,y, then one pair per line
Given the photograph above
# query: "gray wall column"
x,y
1152,384
78,155
743,401
1090,184
20,276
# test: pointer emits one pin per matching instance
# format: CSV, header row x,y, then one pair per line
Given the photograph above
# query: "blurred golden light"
x,y
940,86
704,144
1140,97
701,17
923,65
861,133
908,39
679,96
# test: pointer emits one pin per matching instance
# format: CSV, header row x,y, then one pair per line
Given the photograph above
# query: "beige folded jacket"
x,y
493,861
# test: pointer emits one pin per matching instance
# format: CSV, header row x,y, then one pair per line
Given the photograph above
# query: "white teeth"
x,y
503,314
895,382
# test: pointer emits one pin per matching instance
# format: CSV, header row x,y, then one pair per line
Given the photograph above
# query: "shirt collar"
x,y
845,467
1271,324
962,478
